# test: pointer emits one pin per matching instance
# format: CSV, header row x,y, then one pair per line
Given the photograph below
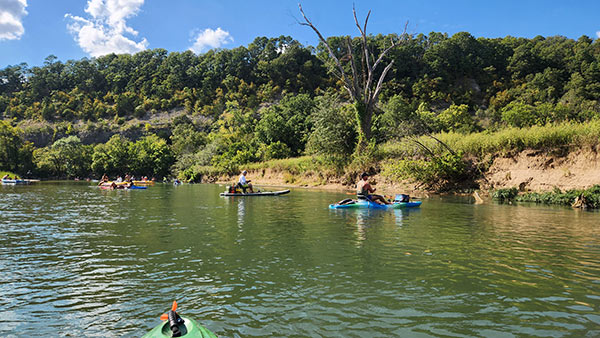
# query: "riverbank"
x,y
527,170
542,171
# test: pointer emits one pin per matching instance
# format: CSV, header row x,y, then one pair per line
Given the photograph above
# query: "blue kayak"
x,y
372,205
14,182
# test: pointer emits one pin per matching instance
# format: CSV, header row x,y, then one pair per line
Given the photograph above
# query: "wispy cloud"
x,y
106,31
11,15
208,39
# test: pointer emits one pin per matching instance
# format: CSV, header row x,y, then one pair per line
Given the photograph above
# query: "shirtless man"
x,y
364,191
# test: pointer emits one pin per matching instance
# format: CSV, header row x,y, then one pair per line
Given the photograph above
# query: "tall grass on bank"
x,y
303,165
441,162
294,168
509,139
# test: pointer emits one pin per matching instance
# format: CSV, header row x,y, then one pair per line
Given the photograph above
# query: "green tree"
x,y
334,132
113,157
186,139
151,156
67,157
399,119
15,154
519,114
456,118
287,123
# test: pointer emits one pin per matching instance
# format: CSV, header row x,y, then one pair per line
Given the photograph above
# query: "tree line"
x,y
276,98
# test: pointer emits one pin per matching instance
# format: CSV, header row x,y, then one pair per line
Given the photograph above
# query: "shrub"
x,y
507,194
591,197
274,151
440,172
519,114
334,130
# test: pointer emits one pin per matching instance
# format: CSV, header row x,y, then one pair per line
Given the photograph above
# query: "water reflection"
x,y
241,210
399,215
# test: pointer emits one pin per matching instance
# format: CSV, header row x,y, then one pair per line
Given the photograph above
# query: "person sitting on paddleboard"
x,y
243,183
364,191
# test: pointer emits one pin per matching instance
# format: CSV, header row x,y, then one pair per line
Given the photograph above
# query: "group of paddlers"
x,y
118,183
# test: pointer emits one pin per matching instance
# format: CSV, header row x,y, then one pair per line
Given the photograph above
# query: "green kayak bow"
x,y
174,325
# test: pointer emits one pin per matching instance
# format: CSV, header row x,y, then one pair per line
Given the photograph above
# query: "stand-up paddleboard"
x,y
260,193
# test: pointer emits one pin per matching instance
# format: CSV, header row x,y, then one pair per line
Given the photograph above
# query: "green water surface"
x,y
80,261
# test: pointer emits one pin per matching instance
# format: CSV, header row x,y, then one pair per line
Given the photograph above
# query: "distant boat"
x,y
14,182
143,182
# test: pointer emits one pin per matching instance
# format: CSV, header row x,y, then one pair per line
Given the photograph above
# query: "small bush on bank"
x,y
439,172
590,197
507,194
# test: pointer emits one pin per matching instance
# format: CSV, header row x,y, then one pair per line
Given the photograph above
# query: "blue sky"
x,y
30,30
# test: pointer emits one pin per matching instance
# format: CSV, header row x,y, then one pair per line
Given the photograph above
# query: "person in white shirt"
x,y
243,183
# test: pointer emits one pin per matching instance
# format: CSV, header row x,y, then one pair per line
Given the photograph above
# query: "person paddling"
x,y
364,191
243,183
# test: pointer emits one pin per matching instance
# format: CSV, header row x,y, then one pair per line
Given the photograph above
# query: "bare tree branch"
x,y
347,83
424,147
394,44
381,78
444,144
363,34
353,65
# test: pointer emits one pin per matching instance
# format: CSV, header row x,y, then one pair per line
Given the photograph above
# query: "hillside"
x,y
160,114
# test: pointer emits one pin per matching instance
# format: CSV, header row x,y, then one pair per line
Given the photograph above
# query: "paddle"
x,y
174,320
165,316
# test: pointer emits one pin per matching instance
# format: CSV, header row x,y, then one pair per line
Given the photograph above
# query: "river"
x,y
80,261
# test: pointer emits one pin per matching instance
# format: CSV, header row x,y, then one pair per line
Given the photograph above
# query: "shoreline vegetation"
x,y
452,114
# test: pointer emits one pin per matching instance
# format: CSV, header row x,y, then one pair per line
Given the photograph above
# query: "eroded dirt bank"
x,y
543,171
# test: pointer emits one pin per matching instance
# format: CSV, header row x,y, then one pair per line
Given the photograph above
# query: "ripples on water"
x,y
79,261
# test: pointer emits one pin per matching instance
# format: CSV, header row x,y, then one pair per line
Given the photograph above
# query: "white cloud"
x,y
106,29
598,34
209,39
11,14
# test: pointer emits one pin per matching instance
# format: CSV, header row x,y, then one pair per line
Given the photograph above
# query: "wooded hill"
x,y
276,98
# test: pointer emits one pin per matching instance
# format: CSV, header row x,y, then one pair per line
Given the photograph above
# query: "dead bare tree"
x,y
361,86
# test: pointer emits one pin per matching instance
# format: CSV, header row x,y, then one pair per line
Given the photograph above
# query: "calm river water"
x,y
78,261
